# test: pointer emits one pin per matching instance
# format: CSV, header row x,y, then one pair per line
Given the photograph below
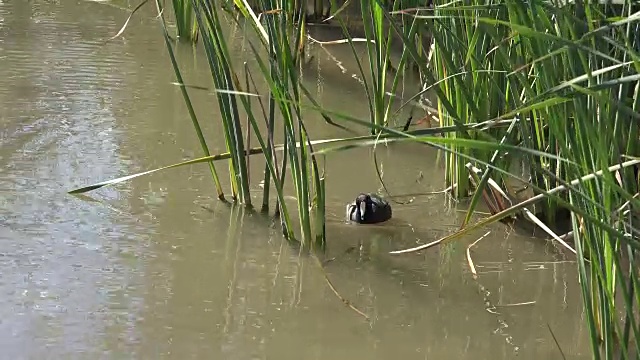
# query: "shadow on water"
x,y
158,268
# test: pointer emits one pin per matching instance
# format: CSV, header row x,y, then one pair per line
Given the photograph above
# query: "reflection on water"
x,y
158,268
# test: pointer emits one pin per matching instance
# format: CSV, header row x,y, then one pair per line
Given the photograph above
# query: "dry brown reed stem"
x,y
469,260
337,294
546,229
514,208
495,188
517,304
501,206
124,26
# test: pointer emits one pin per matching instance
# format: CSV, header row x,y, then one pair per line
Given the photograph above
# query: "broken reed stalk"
x,y
515,208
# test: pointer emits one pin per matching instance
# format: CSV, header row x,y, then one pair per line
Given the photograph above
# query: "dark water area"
x,y
157,267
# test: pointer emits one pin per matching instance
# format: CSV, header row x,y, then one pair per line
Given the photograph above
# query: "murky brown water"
x,y
158,268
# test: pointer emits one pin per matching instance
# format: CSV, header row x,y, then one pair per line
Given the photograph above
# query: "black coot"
x,y
369,209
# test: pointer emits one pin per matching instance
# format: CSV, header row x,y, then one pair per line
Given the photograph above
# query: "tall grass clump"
x,y
186,26
276,44
553,86
567,76
473,74
564,78
380,78
276,47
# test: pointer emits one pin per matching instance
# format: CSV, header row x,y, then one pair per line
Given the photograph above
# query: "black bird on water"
x,y
369,209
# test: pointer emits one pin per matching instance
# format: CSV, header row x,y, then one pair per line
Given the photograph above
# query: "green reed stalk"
x,y
378,45
226,82
284,85
320,211
269,122
569,77
185,95
267,174
282,41
186,25
566,73
536,55
470,69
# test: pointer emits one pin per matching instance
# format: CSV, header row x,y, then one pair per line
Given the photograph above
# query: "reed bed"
x,y
186,26
552,86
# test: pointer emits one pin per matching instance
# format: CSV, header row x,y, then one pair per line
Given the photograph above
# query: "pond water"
x,y
159,268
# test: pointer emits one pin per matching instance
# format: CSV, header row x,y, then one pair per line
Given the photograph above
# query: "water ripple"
x,y
61,259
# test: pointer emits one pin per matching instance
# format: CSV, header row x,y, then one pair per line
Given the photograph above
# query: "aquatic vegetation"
x,y
280,73
186,26
565,77
552,88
